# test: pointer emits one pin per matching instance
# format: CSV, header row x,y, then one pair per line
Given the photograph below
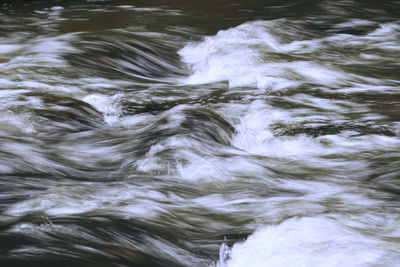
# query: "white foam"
x,y
247,55
314,241
352,23
386,30
11,123
208,168
39,51
253,135
240,56
147,9
112,199
51,48
57,8
5,169
108,105
9,48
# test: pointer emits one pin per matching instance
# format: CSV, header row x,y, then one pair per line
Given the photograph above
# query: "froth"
x,y
243,56
276,54
309,242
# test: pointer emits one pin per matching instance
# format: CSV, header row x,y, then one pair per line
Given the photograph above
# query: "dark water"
x,y
209,133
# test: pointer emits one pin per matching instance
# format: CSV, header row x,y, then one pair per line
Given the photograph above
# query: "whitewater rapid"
x,y
155,141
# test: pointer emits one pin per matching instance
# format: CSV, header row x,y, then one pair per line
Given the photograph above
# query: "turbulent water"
x,y
221,133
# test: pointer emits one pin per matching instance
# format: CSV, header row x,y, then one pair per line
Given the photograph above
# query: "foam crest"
x,y
276,54
256,133
310,242
107,105
244,56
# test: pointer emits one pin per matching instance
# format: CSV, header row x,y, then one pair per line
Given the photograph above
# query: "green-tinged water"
x,y
211,133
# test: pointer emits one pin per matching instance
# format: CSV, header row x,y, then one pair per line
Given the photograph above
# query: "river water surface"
x,y
200,133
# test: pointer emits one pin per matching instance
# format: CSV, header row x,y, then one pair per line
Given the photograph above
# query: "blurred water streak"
x,y
212,133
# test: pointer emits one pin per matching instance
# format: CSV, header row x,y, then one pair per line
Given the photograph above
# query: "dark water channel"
x,y
200,133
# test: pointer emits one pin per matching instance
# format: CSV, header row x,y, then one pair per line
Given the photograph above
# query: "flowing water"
x,y
200,133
